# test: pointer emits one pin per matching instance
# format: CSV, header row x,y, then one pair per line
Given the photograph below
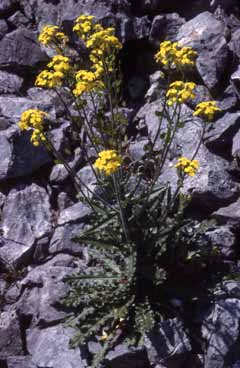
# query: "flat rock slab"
x,y
10,335
205,34
221,331
42,291
20,48
26,217
49,347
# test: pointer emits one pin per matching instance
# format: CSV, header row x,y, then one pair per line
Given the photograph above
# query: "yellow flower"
x,y
206,110
103,42
84,25
52,36
187,166
180,92
59,63
108,161
49,79
87,81
33,119
172,54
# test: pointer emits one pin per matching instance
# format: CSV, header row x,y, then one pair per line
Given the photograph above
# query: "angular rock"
x,y
220,134
168,343
10,335
229,214
124,357
6,6
26,217
212,187
18,19
221,332
20,48
19,156
235,43
133,28
224,239
20,362
205,34
42,290
10,83
79,212
12,107
165,27
3,28
229,99
49,347
232,288
236,144
62,239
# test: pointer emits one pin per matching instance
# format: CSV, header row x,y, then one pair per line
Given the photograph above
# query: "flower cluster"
x,y
172,54
189,167
206,110
52,36
102,45
58,68
84,26
33,119
180,92
108,161
87,81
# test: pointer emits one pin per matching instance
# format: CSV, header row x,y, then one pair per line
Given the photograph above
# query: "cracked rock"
x,y
26,217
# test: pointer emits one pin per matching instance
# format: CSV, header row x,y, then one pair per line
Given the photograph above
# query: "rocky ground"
x,y
39,213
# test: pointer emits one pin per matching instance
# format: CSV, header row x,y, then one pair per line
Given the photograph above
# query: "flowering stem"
x,y
121,211
200,142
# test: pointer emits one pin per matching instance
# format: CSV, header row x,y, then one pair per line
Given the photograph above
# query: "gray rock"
x,y
49,98
220,134
10,335
132,28
4,123
19,156
165,27
229,214
10,83
88,180
3,28
58,174
26,217
18,19
235,44
46,12
64,201
124,357
20,48
79,212
20,362
212,187
229,99
232,288
12,107
62,239
42,290
221,331
236,144
58,137
6,5
224,239
205,34
168,342
49,347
